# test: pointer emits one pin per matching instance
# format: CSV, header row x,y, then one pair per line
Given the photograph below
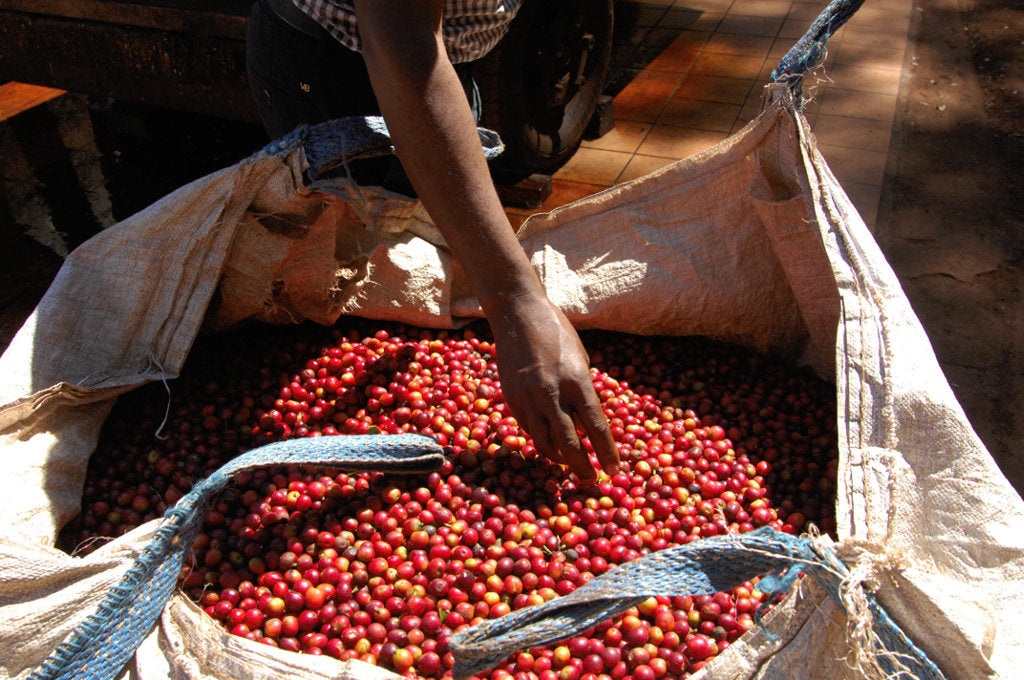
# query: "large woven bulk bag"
x,y
751,241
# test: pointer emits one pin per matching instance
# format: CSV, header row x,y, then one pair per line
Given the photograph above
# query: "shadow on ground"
x,y
951,222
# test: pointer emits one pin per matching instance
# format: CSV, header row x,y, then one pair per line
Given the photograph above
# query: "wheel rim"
x,y
557,64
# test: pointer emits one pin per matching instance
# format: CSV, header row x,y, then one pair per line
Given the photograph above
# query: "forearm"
x,y
435,136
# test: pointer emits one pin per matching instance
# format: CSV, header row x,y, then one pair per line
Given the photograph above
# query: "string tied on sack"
x,y
809,51
877,651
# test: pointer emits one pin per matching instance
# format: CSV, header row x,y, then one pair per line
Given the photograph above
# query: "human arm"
x,y
544,370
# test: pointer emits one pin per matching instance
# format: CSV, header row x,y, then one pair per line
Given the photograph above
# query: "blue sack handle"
x,y
99,646
809,51
702,567
336,142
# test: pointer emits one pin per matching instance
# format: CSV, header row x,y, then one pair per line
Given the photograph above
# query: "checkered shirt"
x,y
470,28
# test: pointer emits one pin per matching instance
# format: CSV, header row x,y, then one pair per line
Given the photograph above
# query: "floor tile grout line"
x,y
836,43
686,74
701,52
689,71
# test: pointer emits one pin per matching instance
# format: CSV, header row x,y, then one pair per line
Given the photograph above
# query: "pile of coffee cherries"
x,y
713,439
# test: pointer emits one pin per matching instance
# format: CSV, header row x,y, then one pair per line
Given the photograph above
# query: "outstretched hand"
x,y
545,380
544,370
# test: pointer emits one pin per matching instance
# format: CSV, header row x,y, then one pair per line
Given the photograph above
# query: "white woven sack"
x,y
752,241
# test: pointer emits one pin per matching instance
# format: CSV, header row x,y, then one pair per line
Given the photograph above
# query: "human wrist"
x,y
515,299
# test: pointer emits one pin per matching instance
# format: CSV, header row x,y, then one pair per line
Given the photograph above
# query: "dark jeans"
x,y
299,73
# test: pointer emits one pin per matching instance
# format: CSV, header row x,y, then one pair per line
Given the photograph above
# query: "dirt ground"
x,y
951,220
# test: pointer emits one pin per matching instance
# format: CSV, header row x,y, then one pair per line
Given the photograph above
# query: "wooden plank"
x,y
17,97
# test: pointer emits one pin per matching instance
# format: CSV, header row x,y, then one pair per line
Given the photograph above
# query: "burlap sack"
x,y
751,241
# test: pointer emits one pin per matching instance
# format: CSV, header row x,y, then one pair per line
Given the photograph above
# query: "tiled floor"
x,y
687,73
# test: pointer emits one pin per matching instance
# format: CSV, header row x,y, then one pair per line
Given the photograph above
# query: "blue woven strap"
x,y
703,567
809,51
336,142
99,647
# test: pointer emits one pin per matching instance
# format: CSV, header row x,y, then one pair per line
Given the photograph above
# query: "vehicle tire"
x,y
541,84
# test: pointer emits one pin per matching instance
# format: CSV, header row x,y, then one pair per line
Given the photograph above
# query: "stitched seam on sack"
x,y
867,301
815,188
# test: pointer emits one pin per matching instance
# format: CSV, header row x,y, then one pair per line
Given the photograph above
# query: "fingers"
x,y
546,381
566,440
552,430
555,436
594,424
539,431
